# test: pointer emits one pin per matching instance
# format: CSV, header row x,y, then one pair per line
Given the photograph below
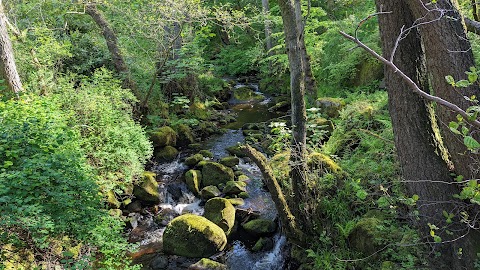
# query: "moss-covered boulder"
x,y
236,201
198,110
230,161
246,93
193,160
148,189
260,227
216,173
330,106
235,187
185,135
163,136
221,212
209,192
365,236
207,264
167,153
206,153
243,178
193,236
322,124
195,146
264,243
193,179
236,151
243,195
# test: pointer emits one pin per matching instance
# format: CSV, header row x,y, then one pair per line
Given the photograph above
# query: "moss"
x,y
259,227
199,111
230,161
243,195
193,160
248,132
209,192
236,151
112,200
163,136
263,244
246,94
324,162
185,135
235,187
242,178
193,179
330,106
216,173
193,236
148,189
206,153
221,212
365,236
236,201
281,106
195,146
207,264
167,153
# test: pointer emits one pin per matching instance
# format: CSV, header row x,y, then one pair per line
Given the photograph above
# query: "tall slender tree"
x,y
8,69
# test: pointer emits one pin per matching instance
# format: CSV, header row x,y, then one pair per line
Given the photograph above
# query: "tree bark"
x,y
268,27
475,10
112,44
286,216
8,68
426,173
448,52
299,118
310,82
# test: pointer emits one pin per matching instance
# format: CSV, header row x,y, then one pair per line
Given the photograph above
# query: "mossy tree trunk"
x,y
426,173
8,68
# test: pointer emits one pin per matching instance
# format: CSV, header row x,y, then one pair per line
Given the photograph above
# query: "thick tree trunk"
x,y
448,52
475,9
8,69
299,118
426,174
112,44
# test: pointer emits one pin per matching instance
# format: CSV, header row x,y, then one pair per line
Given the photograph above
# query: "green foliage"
x,y
116,146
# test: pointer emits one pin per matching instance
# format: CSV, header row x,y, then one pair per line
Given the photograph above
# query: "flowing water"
x,y
176,199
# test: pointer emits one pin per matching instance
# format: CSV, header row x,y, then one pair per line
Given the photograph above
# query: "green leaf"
x,y
415,197
454,127
450,80
463,83
361,194
383,202
471,143
7,163
437,239
472,77
465,130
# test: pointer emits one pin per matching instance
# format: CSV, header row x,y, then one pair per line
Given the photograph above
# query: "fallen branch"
x,y
411,83
285,215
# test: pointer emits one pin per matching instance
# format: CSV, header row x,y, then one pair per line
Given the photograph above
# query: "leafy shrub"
x,y
116,146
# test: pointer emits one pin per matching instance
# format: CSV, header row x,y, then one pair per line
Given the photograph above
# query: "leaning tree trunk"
x,y
8,69
299,118
448,52
112,44
426,173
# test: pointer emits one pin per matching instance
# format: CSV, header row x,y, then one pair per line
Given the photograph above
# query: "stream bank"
x,y
181,192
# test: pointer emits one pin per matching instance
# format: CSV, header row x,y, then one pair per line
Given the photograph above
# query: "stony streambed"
x,y
210,204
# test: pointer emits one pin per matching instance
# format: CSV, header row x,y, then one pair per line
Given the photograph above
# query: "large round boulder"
x,y
167,153
235,187
148,189
221,212
163,136
215,173
193,236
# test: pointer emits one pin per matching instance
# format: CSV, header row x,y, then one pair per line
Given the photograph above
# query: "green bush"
x,y
116,146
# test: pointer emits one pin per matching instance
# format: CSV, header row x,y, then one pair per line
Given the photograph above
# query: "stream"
x,y
176,199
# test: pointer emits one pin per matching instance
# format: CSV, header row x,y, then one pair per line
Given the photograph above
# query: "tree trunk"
x,y
426,174
299,118
310,82
268,27
113,48
475,10
448,52
8,69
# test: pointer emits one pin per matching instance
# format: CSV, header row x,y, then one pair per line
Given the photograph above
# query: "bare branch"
x,y
411,83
